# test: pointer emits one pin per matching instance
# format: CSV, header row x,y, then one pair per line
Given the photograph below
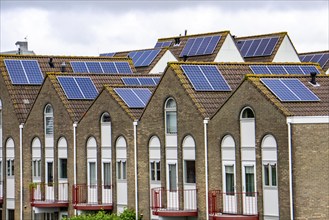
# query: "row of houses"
x,y
207,126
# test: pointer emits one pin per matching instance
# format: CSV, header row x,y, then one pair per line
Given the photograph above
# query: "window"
x,y
36,168
50,175
250,182
107,174
171,117
229,180
172,177
49,120
106,118
10,167
190,171
63,168
269,174
248,113
155,170
121,170
92,173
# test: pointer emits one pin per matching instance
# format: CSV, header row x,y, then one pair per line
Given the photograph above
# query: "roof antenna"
x,y
63,67
51,64
313,76
185,32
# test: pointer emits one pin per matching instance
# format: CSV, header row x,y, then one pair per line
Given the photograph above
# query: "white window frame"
x,y
185,172
107,185
49,117
60,170
156,169
270,175
121,170
168,111
90,183
10,168
36,168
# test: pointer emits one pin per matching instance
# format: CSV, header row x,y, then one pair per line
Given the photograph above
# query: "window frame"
x,y
271,182
229,190
186,175
121,170
170,113
49,120
61,170
10,167
155,173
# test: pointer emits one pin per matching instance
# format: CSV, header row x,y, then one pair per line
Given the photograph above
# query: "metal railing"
x,y
170,200
240,203
49,192
92,194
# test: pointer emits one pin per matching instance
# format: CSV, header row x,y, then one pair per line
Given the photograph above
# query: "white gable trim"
x,y
228,51
286,52
161,65
308,119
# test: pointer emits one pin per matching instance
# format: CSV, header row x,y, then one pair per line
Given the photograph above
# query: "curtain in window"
x,y
250,185
229,175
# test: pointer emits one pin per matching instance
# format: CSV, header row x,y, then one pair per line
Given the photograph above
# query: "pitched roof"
x,y
133,113
78,107
143,69
176,49
23,96
321,57
208,102
310,108
268,58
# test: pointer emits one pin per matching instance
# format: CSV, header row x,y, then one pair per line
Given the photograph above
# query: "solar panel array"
x,y
200,46
24,72
143,57
257,47
162,44
134,97
289,90
107,54
78,87
205,78
141,81
100,67
321,58
284,69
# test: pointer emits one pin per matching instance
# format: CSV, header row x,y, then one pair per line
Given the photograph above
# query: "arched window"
x,y
247,113
189,160
62,159
91,161
106,118
36,159
171,116
154,157
228,161
49,120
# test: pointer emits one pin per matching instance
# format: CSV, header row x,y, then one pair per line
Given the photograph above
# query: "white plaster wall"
x,y
286,52
161,65
122,188
229,52
10,193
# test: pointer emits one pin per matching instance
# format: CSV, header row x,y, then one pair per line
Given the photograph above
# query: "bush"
x,y
127,214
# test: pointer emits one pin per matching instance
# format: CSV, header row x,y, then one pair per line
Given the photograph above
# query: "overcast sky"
x,y
62,27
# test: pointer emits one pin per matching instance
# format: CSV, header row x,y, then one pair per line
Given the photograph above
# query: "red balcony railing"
x,y
239,203
1,192
171,201
51,194
92,197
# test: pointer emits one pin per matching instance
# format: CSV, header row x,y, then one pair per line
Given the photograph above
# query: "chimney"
x,y
63,67
313,76
177,41
184,58
51,64
22,46
185,32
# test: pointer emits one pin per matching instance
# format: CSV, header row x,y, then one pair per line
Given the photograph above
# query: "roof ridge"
x,y
262,35
314,52
195,35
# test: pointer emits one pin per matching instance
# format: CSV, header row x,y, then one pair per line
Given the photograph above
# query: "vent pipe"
x,y
185,32
63,67
51,64
313,76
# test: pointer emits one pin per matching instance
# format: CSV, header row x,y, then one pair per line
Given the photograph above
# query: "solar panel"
x,y
162,44
289,90
321,58
131,81
79,67
94,67
200,46
257,47
144,81
78,87
205,78
134,98
100,67
24,72
107,54
283,69
143,58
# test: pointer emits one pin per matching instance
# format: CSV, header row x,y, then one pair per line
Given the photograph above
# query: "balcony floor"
x,y
230,217
49,204
176,213
93,207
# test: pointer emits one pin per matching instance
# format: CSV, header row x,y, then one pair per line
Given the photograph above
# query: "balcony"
x,y
92,197
1,192
242,205
174,202
45,195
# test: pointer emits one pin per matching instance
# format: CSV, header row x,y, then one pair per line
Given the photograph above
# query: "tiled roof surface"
x,y
281,36
143,69
208,102
23,96
326,65
176,50
134,113
317,108
77,108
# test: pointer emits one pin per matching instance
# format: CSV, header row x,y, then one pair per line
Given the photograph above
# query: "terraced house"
x,y
206,126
